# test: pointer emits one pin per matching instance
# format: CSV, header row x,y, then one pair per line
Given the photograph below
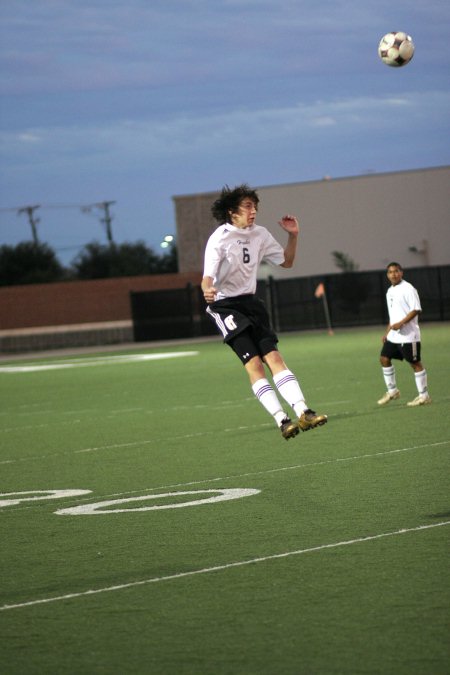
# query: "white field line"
x,y
93,413
251,474
220,405
27,409
130,444
280,469
223,567
95,361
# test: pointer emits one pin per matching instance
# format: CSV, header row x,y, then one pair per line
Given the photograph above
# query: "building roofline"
x,y
325,179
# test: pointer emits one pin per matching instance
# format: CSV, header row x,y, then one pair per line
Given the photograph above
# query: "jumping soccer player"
x,y
232,256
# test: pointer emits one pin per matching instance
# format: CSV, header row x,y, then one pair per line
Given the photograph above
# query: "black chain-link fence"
x,y
351,299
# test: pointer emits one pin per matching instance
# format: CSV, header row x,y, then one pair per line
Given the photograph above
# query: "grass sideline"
x,y
337,562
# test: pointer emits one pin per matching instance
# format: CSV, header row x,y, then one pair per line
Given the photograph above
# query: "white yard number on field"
x,y
104,507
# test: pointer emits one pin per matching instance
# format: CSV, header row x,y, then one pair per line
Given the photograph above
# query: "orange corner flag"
x,y
320,291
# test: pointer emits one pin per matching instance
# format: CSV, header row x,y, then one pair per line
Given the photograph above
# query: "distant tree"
x,y
168,262
344,262
102,261
29,263
351,288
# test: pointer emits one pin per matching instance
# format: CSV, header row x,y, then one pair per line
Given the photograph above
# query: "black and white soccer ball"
x,y
396,49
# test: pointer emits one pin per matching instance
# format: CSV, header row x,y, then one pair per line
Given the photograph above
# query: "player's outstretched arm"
x,y
290,225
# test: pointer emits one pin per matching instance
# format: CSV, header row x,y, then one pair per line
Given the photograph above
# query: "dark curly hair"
x,y
230,199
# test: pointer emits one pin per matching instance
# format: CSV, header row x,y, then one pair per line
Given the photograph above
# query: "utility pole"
x,y
107,218
29,210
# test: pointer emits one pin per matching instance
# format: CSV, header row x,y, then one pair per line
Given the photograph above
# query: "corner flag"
x,y
320,293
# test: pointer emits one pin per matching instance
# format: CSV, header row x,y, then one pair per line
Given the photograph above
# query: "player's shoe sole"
x,y
310,420
419,400
387,398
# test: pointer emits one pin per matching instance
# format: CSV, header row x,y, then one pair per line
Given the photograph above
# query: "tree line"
x,y
33,262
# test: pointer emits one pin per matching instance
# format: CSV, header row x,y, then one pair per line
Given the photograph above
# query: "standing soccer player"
x,y
232,256
402,337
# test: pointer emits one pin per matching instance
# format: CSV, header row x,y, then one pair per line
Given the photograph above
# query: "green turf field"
x,y
327,553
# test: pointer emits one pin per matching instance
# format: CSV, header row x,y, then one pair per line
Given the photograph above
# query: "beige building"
x,y
373,219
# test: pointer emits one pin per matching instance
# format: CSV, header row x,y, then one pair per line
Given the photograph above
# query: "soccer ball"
x,y
396,49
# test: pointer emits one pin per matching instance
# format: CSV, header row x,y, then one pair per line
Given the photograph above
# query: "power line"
x,y
43,206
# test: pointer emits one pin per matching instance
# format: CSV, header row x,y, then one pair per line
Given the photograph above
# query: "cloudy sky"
x,y
135,102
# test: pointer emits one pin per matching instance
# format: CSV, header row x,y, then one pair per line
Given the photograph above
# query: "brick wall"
x,y
79,302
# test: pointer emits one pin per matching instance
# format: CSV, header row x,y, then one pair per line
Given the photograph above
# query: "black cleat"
x,y
288,428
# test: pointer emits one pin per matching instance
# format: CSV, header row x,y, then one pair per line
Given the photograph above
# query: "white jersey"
x,y
232,257
401,300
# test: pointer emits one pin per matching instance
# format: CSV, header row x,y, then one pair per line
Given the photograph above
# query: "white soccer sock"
x,y
422,382
268,398
289,388
389,378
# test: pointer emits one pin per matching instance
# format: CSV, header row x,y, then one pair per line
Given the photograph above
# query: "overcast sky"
x,y
135,102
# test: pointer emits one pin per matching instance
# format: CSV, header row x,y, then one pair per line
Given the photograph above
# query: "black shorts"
x,y
245,326
410,351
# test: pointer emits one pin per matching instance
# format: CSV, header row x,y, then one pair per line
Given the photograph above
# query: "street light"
x,y
168,239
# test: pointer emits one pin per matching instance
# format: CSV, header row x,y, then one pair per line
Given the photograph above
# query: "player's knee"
x,y
255,368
